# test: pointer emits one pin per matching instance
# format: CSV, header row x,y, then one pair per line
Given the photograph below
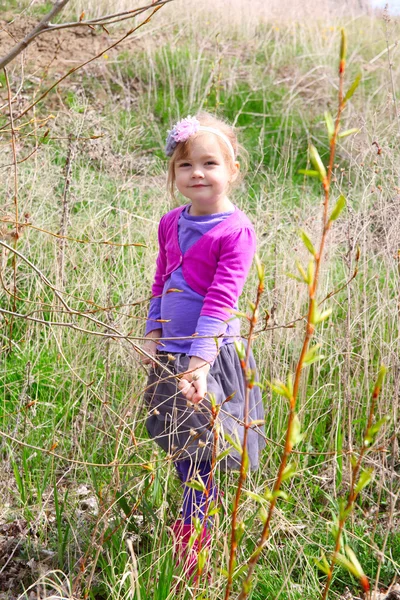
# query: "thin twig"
x,y
14,151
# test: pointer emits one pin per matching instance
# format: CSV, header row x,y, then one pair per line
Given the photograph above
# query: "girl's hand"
x,y
150,346
193,384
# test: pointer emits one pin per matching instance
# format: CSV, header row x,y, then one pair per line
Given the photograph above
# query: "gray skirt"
x,y
191,433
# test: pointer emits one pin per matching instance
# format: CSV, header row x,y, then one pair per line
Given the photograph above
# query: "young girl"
x,y
205,252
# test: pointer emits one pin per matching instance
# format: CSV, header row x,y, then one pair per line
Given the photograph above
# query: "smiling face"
x,y
203,175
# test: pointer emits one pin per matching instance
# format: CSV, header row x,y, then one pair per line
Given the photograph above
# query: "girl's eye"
x,y
184,165
211,162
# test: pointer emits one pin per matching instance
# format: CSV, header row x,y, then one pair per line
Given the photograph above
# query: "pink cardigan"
x,y
216,266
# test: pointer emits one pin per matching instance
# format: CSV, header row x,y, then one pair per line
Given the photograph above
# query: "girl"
x,y
205,252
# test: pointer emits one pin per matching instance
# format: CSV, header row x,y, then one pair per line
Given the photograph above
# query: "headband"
x,y
185,128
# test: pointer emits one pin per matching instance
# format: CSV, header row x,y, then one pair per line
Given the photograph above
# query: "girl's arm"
x,y
150,345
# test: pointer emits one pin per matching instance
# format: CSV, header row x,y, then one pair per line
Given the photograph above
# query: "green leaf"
x,y
222,455
240,349
353,565
280,388
330,126
202,558
323,564
343,44
238,572
198,526
294,277
322,316
344,508
375,428
255,496
196,485
237,313
280,494
381,377
239,531
235,443
345,562
352,88
225,573
317,162
308,243
308,172
340,205
213,511
302,271
289,471
344,134
363,480
260,269
212,398
355,562
295,435
312,356
268,494
263,514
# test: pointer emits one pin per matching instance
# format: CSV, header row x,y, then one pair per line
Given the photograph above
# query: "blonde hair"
x,y
183,148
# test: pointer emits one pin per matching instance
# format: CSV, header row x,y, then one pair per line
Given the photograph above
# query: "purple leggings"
x,y
194,501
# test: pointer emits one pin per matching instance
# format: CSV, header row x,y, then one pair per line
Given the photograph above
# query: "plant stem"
x,y
313,286
243,462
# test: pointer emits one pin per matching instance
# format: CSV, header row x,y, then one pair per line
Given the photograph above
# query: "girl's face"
x,y
204,175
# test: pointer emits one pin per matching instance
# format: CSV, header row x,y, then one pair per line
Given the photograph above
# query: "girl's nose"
x,y
198,173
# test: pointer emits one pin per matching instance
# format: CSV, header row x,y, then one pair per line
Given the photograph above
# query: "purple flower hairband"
x,y
185,128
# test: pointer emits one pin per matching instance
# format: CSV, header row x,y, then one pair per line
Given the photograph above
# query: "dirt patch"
x,y
65,48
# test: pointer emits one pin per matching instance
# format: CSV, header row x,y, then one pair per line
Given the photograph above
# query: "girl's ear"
x,y
235,171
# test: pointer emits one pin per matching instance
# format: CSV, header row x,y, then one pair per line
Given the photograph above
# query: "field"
x,y
87,499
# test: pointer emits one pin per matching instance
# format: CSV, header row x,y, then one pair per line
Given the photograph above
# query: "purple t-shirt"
x,y
182,309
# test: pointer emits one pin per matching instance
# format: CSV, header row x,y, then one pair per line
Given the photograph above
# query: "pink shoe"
x,y
181,533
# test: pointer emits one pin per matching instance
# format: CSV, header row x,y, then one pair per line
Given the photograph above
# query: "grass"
x,y
79,396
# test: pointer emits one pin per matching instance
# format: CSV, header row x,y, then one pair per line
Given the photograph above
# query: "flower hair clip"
x,y
181,132
187,127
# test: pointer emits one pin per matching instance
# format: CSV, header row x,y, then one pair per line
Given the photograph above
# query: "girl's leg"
x,y
195,501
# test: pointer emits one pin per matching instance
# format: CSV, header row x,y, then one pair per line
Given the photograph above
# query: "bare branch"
x,y
74,69
108,19
45,25
42,26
